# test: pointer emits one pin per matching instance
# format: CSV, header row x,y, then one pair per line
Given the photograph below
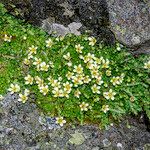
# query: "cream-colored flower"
x,y
94,73
60,121
86,79
81,57
95,89
44,89
26,92
24,38
67,56
99,80
7,38
77,93
105,108
77,80
65,94
79,48
88,57
14,88
57,92
49,43
30,56
69,75
105,63
67,87
29,79
1,97
84,106
69,64
26,61
108,73
78,69
55,83
37,61
23,98
98,60
109,95
39,81
147,65
32,49
116,80
92,41
44,66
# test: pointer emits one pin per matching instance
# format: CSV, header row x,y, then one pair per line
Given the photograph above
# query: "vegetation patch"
x,y
74,78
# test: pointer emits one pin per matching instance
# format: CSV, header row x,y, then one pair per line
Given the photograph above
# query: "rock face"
x,y
22,127
130,21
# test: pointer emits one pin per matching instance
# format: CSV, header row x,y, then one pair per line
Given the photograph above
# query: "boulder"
x,y
23,127
130,21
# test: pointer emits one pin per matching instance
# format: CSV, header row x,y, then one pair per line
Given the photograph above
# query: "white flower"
x,y
79,48
22,98
1,97
99,80
49,43
94,73
95,89
32,49
26,92
147,65
26,61
37,61
88,57
77,80
29,79
92,41
39,81
86,79
30,56
105,63
7,38
105,108
67,87
67,56
57,92
116,80
77,93
60,121
78,69
69,75
14,88
24,37
69,64
44,89
55,83
108,72
83,106
44,66
109,95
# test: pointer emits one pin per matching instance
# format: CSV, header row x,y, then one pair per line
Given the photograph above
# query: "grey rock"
x,y
22,126
130,21
106,143
59,29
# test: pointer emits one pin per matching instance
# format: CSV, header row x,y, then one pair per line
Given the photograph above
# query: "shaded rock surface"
x,y
130,21
22,127
93,15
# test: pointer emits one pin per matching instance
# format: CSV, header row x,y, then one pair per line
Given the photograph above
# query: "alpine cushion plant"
x,y
74,78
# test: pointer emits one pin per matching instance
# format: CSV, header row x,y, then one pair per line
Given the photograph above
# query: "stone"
x,y
106,143
77,138
59,29
130,21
